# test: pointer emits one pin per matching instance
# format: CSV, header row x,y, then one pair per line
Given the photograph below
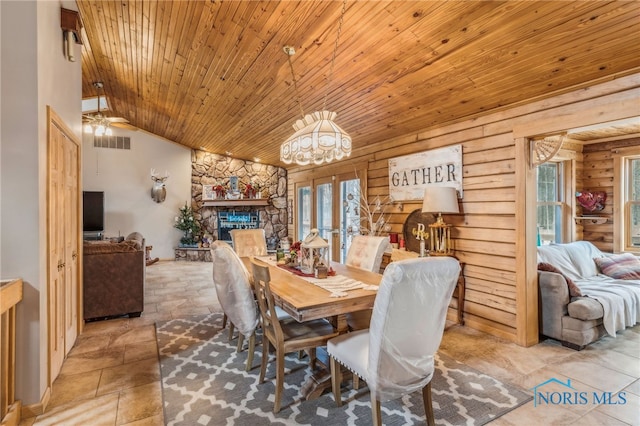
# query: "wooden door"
x,y
71,241
63,222
56,296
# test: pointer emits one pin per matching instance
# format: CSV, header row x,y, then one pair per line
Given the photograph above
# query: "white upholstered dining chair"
x,y
286,335
365,252
249,242
231,281
395,356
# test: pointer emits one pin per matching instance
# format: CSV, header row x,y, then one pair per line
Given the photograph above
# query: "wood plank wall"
x,y
598,176
485,233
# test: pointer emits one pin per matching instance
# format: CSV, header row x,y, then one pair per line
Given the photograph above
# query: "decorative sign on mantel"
x,y
409,175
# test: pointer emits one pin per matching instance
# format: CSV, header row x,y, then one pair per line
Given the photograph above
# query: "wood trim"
x,y
526,278
33,410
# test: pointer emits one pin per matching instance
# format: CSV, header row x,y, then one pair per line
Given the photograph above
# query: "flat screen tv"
x,y
93,211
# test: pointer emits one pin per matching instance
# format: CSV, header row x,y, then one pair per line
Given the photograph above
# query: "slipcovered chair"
x,y
249,242
286,335
231,281
395,356
365,252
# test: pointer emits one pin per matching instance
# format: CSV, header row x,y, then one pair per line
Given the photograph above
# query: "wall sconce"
x,y
71,25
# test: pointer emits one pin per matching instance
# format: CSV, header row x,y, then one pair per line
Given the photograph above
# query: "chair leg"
x,y
336,380
224,320
231,329
252,348
356,382
376,414
265,356
279,380
240,343
428,404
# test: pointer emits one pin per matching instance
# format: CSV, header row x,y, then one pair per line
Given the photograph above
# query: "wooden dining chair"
x,y
395,356
231,281
249,242
286,335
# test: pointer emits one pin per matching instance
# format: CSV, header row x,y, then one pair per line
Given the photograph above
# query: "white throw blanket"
x,y
619,298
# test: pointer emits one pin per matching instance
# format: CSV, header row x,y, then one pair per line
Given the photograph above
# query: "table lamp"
x,y
440,199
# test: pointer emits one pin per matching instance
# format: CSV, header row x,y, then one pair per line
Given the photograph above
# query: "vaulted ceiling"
x,y
213,75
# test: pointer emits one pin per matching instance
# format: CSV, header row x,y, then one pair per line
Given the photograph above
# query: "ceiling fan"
x,y
99,124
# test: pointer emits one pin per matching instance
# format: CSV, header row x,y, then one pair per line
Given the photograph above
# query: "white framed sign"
x,y
409,175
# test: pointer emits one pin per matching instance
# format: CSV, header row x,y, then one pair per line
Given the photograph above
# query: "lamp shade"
x,y
440,199
318,139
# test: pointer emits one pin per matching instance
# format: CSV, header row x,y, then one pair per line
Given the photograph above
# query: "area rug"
x,y
204,382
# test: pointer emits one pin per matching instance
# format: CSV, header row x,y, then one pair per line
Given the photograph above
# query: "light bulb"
x,y
108,132
88,128
100,130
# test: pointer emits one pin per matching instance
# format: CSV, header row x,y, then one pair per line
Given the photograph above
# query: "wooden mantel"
x,y
234,203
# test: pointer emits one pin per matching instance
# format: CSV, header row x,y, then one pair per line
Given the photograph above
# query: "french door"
x,y
332,205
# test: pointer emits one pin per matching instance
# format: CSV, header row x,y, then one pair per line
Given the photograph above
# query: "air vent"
x,y
113,142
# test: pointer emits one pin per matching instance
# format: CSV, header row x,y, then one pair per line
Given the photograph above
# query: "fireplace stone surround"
x,y
214,169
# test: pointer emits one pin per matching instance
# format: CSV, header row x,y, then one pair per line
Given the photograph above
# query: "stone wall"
x,y
214,169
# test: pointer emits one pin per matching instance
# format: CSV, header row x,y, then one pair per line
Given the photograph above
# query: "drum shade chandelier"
x,y
317,138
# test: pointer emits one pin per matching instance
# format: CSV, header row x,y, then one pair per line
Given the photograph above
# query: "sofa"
x,y
585,293
113,277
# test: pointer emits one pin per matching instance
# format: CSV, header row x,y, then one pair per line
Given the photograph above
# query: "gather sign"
x,y
409,175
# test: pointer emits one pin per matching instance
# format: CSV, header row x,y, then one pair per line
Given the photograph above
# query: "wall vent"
x,y
113,142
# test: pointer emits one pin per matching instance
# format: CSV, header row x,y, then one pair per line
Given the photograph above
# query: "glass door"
x,y
349,214
332,205
303,210
324,216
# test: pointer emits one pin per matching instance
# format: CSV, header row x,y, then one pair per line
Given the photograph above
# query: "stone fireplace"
x,y
269,211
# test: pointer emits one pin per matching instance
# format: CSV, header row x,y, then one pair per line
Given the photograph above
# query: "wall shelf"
x,y
233,203
599,220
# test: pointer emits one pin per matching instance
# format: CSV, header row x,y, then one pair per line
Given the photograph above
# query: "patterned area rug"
x,y
204,383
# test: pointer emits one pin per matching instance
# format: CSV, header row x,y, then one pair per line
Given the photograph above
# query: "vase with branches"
x,y
369,218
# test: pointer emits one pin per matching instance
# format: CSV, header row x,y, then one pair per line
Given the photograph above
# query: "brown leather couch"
x,y
113,277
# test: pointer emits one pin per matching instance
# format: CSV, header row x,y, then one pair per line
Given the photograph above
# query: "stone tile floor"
x,y
112,376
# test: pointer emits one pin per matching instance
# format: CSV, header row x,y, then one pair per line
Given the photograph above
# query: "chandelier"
x,y
97,123
317,138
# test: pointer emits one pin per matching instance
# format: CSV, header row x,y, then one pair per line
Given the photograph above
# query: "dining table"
x,y
305,299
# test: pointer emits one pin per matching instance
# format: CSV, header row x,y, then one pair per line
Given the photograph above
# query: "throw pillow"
x,y
623,266
574,290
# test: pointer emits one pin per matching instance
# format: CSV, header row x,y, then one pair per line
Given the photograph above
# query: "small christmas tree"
x,y
186,223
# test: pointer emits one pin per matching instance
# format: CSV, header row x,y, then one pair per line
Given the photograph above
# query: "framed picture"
x,y
208,193
233,183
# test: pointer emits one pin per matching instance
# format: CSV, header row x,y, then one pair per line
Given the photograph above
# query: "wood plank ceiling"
x,y
213,74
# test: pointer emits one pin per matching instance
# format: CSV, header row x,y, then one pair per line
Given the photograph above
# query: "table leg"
x,y
320,381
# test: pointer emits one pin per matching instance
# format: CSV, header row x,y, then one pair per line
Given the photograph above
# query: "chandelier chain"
x,y
335,50
295,83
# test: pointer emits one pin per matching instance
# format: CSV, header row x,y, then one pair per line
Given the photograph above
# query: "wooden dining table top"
x,y
305,301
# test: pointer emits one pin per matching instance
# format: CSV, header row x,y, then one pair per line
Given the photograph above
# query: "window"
x,y
631,202
550,203
626,199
